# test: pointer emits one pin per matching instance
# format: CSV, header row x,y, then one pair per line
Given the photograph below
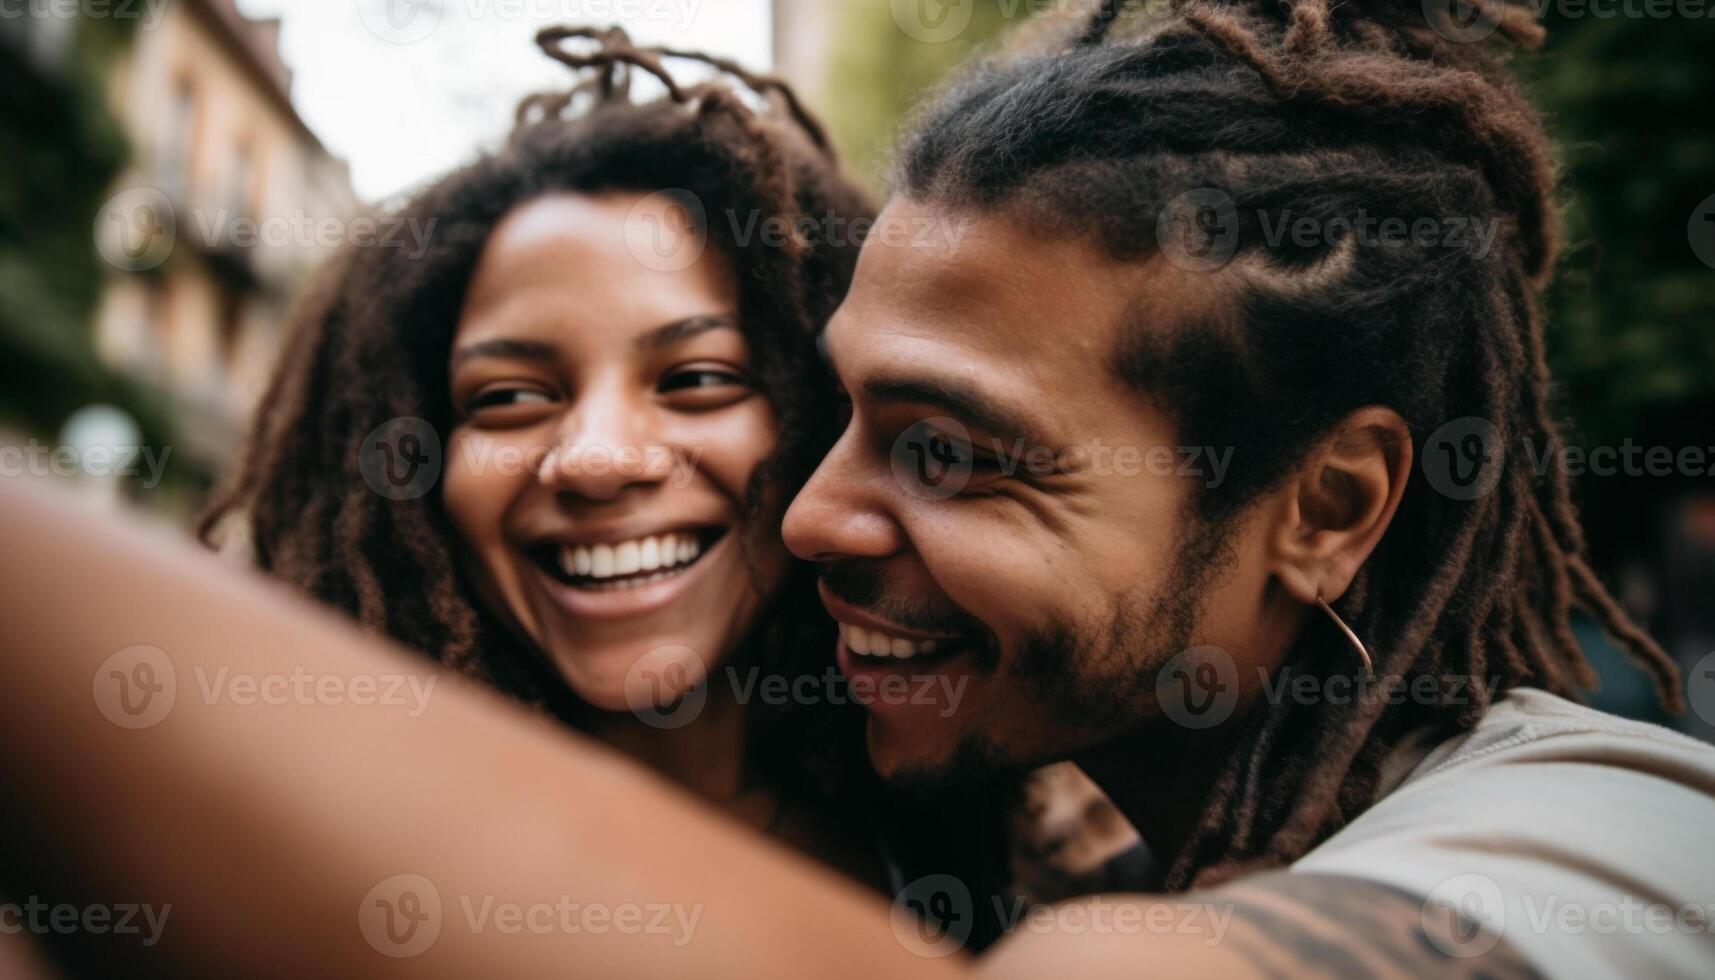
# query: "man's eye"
x,y
691,380
958,452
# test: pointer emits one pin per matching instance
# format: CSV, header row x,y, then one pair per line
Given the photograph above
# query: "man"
x,y
1314,661
1180,248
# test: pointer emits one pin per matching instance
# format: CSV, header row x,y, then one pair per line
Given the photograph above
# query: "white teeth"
x,y
626,559
857,641
603,561
871,643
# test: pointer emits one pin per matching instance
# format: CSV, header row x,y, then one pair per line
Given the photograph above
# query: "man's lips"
x,y
867,640
845,612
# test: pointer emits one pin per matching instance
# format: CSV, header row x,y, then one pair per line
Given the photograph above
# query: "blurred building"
x,y
804,38
254,203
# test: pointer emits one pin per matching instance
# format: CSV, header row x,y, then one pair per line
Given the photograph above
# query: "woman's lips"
x,y
603,591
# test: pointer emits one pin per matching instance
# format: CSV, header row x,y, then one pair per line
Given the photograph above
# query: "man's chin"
x,y
974,768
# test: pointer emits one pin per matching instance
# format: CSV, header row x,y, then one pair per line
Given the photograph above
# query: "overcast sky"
x,y
407,89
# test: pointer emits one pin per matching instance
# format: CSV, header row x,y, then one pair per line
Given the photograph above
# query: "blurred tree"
x,y
63,152
879,72
1632,326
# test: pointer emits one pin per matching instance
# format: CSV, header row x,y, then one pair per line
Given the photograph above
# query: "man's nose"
x,y
842,511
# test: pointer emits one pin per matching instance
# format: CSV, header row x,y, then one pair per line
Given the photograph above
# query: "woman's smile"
x,y
622,577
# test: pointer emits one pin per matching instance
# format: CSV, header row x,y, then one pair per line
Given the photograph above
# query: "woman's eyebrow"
x,y
669,334
516,350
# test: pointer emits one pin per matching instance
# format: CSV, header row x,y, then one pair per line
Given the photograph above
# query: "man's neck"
x,y
1160,778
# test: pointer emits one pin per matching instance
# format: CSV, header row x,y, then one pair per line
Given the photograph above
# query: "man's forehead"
x,y
999,290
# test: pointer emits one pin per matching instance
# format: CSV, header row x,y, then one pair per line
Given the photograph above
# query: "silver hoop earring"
x,y
1357,644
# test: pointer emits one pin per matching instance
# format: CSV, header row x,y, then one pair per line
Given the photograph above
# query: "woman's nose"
x,y
606,443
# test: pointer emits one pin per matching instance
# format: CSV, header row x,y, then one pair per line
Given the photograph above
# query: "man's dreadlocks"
x,y
1333,111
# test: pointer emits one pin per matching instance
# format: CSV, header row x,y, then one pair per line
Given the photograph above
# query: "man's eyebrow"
x,y
669,334
515,350
958,399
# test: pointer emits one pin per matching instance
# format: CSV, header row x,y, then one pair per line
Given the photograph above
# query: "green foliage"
x,y
1632,324
63,152
878,73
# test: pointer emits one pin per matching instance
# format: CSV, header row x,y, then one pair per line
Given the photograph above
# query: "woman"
x,y
624,403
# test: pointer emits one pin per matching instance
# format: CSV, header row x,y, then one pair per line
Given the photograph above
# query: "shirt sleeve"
x,y
1590,850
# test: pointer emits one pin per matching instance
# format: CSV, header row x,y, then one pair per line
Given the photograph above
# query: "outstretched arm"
x,y
268,827
312,801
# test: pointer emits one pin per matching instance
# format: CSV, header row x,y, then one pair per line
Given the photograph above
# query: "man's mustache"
x,y
863,584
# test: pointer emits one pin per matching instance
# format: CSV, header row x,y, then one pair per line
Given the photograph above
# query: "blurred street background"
x,y
171,170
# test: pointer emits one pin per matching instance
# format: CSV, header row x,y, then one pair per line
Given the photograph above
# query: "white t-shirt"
x,y
1585,840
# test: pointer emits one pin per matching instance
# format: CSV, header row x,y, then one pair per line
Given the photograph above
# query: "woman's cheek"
x,y
735,444
462,490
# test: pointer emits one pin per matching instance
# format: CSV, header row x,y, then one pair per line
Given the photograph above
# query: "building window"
x,y
238,194
176,139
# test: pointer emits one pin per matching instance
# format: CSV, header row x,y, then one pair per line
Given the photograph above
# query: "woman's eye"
x,y
698,378
506,397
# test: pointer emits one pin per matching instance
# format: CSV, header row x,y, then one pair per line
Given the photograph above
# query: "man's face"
x,y
1002,510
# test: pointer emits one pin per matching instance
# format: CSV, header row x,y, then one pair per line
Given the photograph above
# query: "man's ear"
x,y
1339,502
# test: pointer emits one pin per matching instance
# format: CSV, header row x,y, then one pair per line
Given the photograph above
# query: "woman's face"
x,y
606,428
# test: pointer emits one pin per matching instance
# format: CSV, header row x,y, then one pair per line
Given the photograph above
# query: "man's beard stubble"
x,y
1098,682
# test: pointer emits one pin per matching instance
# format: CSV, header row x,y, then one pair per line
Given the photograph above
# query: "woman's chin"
x,y
632,677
